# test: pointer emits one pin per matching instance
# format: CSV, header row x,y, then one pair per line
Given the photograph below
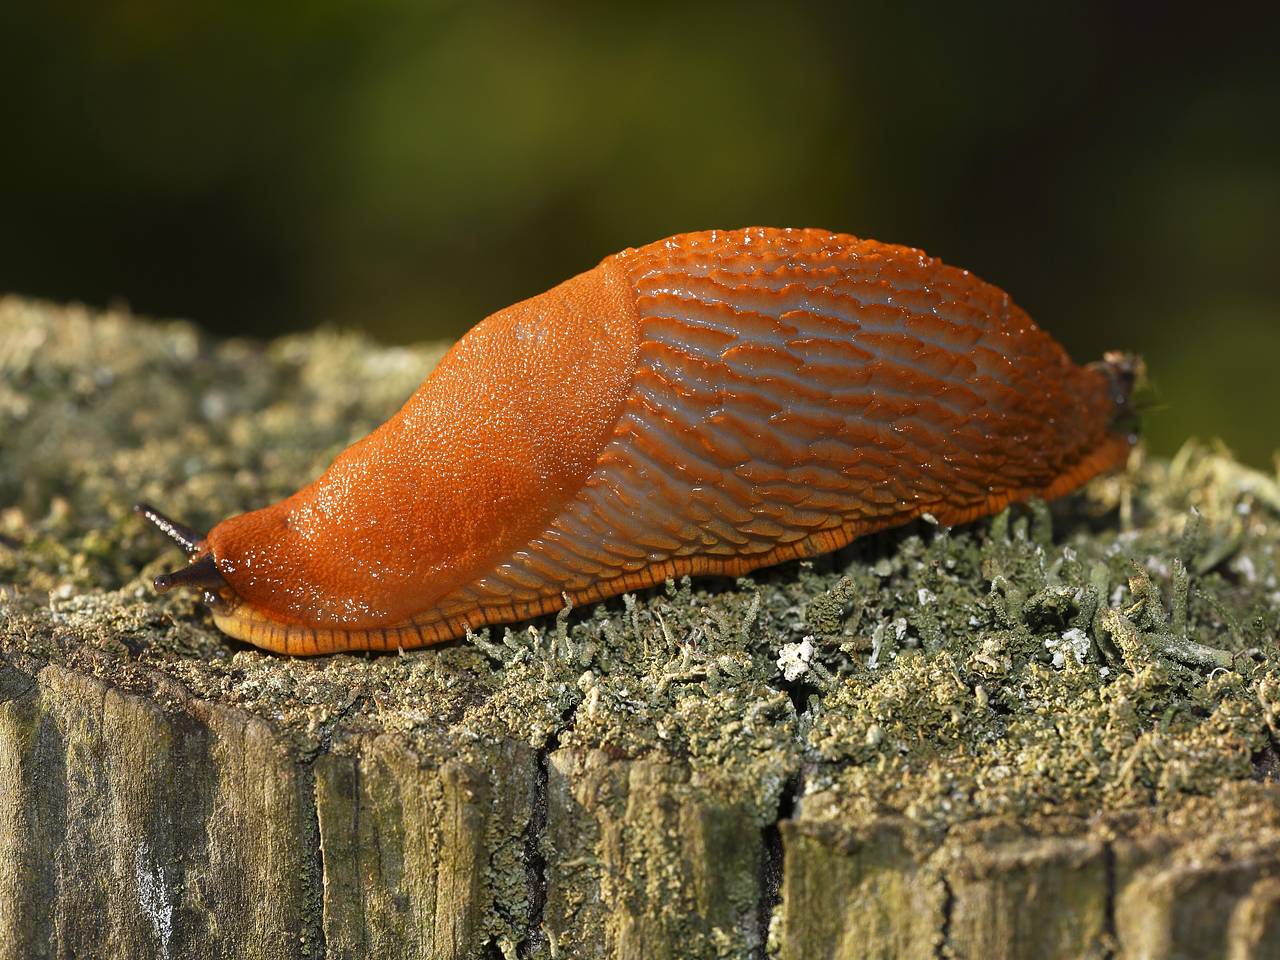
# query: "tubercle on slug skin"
x,y
711,403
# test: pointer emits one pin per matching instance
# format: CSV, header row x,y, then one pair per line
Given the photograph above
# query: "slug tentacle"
x,y
708,404
202,574
179,533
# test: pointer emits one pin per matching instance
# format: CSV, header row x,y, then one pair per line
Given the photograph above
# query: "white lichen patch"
x,y
1073,643
794,659
153,897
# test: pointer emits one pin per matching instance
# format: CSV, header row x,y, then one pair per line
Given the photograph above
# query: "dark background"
x,y
408,167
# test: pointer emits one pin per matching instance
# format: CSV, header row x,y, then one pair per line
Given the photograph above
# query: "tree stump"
x,y
1049,734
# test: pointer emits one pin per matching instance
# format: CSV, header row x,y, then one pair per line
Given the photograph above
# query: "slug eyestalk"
x,y
202,572
190,541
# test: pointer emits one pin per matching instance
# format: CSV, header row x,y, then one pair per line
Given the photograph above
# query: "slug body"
x,y
707,404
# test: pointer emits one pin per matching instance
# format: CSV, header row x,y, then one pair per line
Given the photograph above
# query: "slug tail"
x,y
1116,422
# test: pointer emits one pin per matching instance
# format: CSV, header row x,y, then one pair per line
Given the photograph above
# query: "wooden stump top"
x,y
1048,734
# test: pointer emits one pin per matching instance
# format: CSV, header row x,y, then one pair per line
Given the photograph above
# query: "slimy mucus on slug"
x,y
708,404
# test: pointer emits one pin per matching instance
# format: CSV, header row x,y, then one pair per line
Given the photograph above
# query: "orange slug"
x,y
707,404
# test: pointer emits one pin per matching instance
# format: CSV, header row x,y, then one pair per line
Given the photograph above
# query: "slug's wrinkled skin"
x,y
710,403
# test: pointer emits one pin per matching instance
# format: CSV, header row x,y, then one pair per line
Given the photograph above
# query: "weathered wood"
x,y
998,742
132,830
886,890
852,893
407,847
1216,897
1026,896
996,890
644,864
135,830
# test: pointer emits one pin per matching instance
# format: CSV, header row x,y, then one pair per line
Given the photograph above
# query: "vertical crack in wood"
x,y
535,833
773,861
313,894
357,773
944,931
535,859
313,920
1112,946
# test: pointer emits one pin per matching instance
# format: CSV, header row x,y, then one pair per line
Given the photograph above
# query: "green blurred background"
x,y
408,167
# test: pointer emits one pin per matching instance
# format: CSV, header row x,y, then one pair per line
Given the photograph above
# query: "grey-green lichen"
x,y
1112,652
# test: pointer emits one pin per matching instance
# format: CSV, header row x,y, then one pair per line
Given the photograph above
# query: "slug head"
x,y
505,430
201,572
